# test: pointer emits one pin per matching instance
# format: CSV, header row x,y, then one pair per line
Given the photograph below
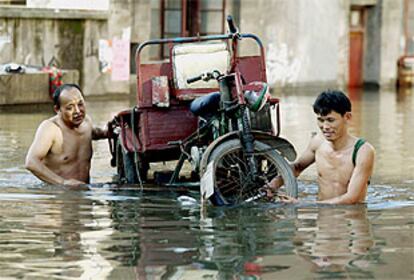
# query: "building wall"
x,y
307,42
372,58
409,27
36,35
303,47
391,38
384,36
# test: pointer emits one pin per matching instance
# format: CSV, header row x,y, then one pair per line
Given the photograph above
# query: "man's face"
x,y
72,107
333,125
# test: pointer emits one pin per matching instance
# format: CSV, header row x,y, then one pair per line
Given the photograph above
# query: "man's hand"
x,y
287,199
74,184
100,133
270,188
268,191
272,194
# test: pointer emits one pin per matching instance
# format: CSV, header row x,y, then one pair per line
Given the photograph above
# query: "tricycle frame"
x,y
133,129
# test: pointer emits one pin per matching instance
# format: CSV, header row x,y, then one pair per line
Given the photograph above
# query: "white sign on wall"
x,y
120,60
101,5
105,55
114,58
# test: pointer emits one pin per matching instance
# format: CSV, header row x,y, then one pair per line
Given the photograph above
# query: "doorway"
x,y
356,46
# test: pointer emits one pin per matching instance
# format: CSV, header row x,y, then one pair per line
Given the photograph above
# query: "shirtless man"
x,y
344,163
61,151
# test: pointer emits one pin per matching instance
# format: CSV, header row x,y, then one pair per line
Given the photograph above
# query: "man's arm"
x,y
306,159
42,143
358,184
99,133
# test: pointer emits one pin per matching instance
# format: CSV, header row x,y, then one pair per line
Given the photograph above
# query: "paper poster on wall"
x,y
120,60
105,56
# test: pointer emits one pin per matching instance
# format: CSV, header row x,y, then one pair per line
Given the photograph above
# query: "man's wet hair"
x,y
332,100
59,90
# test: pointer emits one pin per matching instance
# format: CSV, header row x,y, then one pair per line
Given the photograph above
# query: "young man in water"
x,y
344,163
61,151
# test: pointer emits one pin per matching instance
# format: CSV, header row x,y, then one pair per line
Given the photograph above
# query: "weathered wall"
x,y
31,87
141,25
306,41
34,36
39,35
372,57
391,36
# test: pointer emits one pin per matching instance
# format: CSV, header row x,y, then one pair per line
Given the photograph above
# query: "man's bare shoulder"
x,y
316,141
366,152
368,147
48,131
88,122
88,118
49,126
46,135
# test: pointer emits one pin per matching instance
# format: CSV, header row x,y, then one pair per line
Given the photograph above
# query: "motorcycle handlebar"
x,y
230,23
215,74
194,79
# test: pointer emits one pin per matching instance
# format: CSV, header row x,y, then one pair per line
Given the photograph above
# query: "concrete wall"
x,y
31,87
34,36
372,57
383,40
306,41
409,27
391,38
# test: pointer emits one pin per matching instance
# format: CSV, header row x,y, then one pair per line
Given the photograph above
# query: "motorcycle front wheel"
x,y
232,174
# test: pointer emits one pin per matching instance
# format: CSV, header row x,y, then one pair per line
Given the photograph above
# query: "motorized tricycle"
x,y
211,107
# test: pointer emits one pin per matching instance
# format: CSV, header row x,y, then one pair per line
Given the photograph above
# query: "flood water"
x,y
113,233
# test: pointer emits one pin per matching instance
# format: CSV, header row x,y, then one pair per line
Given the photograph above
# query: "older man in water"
x,y
344,163
62,148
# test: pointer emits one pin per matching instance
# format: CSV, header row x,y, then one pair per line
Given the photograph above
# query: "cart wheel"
x,y
119,161
232,184
125,163
129,168
143,167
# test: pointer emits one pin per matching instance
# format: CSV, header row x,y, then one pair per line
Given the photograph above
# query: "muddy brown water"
x,y
125,233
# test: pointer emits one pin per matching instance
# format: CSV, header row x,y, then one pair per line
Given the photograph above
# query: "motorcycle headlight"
x,y
256,95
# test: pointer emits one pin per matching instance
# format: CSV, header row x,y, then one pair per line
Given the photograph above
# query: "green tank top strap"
x,y
358,144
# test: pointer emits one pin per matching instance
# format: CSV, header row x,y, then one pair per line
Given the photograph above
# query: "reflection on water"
x,y
107,233
112,233
346,247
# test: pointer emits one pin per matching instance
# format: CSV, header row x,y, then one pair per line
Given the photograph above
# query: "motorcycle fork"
x,y
226,84
225,102
247,141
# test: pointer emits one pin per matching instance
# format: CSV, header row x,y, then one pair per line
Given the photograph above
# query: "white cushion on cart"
x,y
190,60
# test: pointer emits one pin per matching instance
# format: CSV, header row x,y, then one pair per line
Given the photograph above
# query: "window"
x,y
186,18
13,2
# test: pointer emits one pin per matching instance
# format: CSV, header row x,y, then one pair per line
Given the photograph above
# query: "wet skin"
x,y
340,182
61,151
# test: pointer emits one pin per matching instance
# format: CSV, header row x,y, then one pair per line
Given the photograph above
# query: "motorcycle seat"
x,y
206,106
